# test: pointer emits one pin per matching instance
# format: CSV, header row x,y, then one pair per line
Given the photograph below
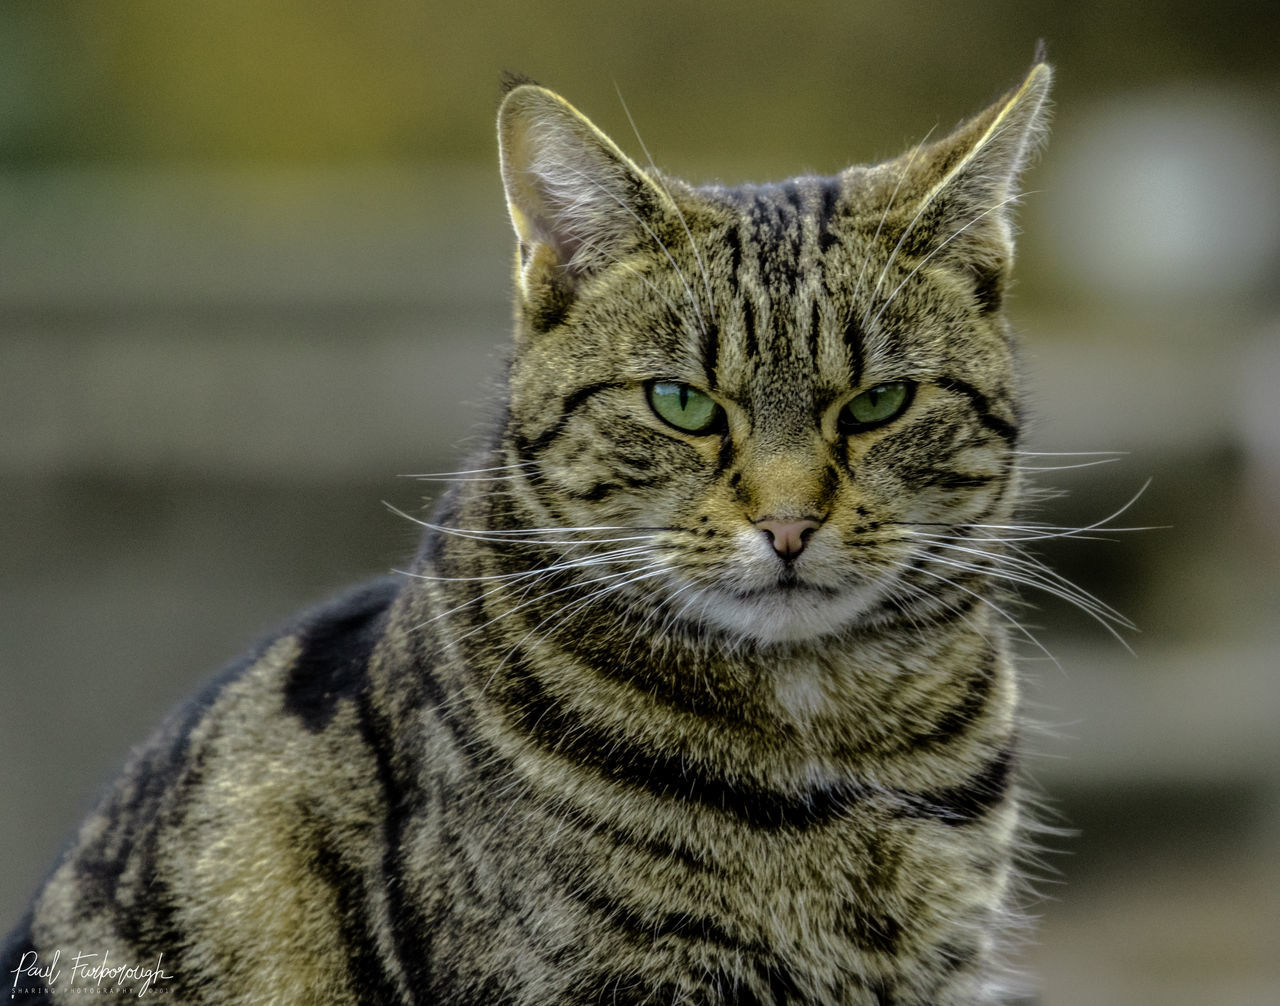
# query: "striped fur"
x,y
609,743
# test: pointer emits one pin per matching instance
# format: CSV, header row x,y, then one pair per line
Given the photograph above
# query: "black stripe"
x,y
988,288
549,306
750,344
767,982
955,958
791,193
964,713
950,599
815,329
971,799
337,641
630,990
463,979
763,215
710,352
690,858
733,241
649,927
424,697
568,407
411,933
725,456
616,483
670,775
621,760
828,482
368,975
642,462
853,343
827,212
154,921
942,479
982,406
160,780
594,493
876,933
790,227
692,687
780,333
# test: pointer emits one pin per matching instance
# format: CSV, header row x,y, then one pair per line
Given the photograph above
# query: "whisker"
x,y
1034,574
920,265
520,535
1069,454
702,326
577,584
661,182
857,288
1036,532
1070,598
570,609
918,589
566,612
1064,468
583,562
461,475
1022,629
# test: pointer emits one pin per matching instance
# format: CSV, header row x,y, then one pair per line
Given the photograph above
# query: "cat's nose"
x,y
788,537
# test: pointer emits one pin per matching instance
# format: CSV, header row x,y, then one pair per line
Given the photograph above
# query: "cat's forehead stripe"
x,y
778,239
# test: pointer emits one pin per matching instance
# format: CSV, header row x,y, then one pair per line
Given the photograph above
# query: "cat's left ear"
x,y
967,185
577,202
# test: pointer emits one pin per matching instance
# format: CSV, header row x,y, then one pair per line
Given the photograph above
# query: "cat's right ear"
x,y
577,202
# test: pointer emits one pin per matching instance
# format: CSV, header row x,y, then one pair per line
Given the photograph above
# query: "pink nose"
x,y
788,537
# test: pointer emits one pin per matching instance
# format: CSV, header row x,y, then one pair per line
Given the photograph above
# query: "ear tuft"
x,y
511,79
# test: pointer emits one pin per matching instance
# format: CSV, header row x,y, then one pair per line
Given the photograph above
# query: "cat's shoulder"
x,y
294,680
311,661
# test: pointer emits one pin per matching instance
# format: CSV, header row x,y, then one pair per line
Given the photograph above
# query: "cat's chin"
x,y
784,614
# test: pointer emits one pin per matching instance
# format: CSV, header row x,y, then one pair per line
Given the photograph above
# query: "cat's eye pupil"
x,y
684,407
876,406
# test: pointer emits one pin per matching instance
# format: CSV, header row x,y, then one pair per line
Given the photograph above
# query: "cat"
x,y
699,689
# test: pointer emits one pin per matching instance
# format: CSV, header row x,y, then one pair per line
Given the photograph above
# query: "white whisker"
x,y
658,180
1064,468
702,326
857,288
1037,532
564,613
1069,454
584,562
920,265
463,475
1022,629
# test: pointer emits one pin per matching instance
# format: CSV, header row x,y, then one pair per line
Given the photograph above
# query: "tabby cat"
x,y
698,690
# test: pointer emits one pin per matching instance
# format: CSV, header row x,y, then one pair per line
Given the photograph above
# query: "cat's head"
x,y
798,395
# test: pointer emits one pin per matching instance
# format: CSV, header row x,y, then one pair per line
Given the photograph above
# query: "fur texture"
x,y
710,715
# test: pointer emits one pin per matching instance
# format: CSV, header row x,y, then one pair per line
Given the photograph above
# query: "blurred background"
x,y
254,268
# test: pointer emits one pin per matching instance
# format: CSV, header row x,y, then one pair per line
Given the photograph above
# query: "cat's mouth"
x,y
788,583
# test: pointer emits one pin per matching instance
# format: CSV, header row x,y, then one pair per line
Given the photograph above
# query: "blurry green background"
x,y
254,266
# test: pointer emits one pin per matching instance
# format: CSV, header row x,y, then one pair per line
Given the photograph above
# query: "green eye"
x,y
876,406
684,407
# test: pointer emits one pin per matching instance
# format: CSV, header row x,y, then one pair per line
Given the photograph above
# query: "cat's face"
x,y
772,401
